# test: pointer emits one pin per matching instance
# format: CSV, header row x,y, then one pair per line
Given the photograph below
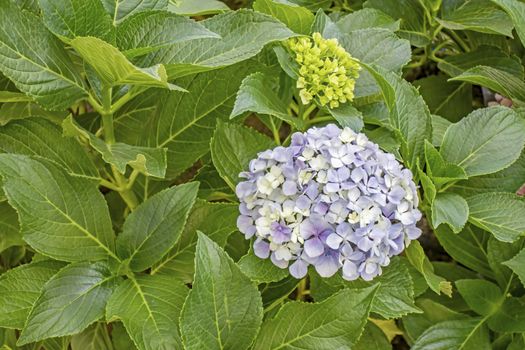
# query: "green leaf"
x,y
261,270
23,110
119,10
113,68
490,56
372,338
224,308
120,337
451,100
516,11
334,323
465,334
149,31
429,189
217,219
10,234
438,169
93,338
367,18
498,253
476,15
149,307
40,138
450,209
439,127
20,288
72,299
487,140
72,18
197,8
483,297
232,148
500,81
509,316
10,96
36,61
418,259
348,116
498,213
297,18
243,33
212,185
61,216
154,227
517,265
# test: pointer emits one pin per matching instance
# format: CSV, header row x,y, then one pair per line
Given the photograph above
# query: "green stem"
x,y
107,115
108,184
134,91
308,111
301,289
275,132
457,39
316,120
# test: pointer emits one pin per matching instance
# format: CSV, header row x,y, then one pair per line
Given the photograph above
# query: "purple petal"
x,y
261,248
326,266
334,241
289,188
299,269
313,247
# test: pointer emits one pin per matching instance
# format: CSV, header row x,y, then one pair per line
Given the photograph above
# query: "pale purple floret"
x,y
333,200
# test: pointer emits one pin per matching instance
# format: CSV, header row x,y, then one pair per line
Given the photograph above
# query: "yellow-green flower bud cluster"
x,y
327,72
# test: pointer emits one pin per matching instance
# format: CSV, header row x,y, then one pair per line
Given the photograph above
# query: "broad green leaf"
x,y
10,234
72,299
450,209
334,323
217,219
439,127
464,334
516,11
182,122
372,338
468,248
40,138
254,96
348,116
119,10
485,141
482,296
149,307
23,110
113,68
500,81
313,5
243,33
451,100
59,343
476,15
418,259
20,288
232,148
509,317
484,55
10,96
61,216
297,18
149,31
197,8
438,169
212,185
120,337
498,213
223,308
36,61
429,188
498,252
72,18
517,265
149,161
93,338
260,270
367,18
154,227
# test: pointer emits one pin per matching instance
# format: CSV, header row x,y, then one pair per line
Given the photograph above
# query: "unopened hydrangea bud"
x,y
332,199
327,72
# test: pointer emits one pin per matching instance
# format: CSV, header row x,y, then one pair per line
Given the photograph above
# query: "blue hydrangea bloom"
x,y
332,199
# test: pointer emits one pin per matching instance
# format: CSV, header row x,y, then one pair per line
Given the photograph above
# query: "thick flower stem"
x,y
301,290
107,115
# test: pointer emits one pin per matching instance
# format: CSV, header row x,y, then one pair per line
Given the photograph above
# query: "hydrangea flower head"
x,y
332,199
327,72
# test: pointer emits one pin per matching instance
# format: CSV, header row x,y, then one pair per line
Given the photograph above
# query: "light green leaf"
x,y
224,308
10,234
72,18
429,188
465,334
60,343
372,338
485,141
418,259
509,316
197,8
450,209
23,110
61,216
498,253
20,288
72,299
297,18
439,127
217,219
10,96
261,270
149,161
243,35
149,31
439,170
498,213
516,11
517,265
481,296
36,61
154,227
149,307
40,138
93,338
476,15
120,337
334,323
119,10
348,116
232,148
367,18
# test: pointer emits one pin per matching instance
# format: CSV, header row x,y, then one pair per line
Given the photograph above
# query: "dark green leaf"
x,y
509,317
348,116
261,270
465,334
482,296
93,338
120,10
10,234
516,11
